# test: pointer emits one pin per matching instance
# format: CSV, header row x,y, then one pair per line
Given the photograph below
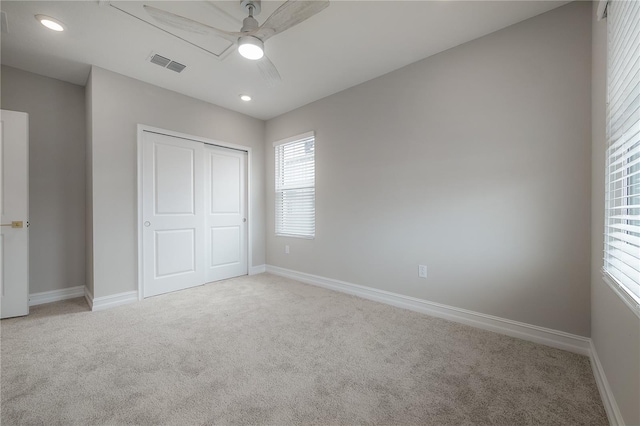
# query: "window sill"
x,y
304,237
622,293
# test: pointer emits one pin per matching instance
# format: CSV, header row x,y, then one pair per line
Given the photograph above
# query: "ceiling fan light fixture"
x,y
251,47
51,23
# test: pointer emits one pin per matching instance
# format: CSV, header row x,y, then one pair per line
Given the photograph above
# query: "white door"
x,y
172,213
226,212
14,206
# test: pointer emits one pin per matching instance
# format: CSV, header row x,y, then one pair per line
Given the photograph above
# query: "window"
x,y
295,186
622,210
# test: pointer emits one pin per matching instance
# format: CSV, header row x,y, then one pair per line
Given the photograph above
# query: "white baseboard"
x,y
608,400
106,302
533,333
55,295
254,270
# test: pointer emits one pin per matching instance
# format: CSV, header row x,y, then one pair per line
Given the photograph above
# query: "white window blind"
x,y
295,186
622,210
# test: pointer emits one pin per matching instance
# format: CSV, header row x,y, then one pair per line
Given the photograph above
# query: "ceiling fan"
x,y
251,37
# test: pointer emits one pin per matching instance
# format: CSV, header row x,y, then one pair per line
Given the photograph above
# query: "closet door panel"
x,y
172,213
226,221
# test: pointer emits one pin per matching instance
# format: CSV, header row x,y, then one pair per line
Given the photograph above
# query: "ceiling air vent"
x,y
176,66
160,60
167,63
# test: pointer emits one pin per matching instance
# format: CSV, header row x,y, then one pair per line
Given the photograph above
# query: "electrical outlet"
x,y
286,249
422,271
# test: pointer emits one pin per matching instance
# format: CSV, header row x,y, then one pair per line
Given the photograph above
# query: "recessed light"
x,y
245,98
51,23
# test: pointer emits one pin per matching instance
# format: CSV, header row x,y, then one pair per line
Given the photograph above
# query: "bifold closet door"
x,y
225,213
173,229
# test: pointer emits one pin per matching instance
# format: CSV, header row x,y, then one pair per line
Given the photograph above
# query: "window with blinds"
x,y
622,210
295,186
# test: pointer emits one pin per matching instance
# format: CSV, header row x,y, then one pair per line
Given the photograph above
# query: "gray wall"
x,y
118,104
56,176
615,329
475,162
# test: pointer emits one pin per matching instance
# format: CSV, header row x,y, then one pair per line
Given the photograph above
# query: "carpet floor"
x,y
268,350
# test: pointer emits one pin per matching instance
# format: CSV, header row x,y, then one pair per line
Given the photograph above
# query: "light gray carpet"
x,y
267,350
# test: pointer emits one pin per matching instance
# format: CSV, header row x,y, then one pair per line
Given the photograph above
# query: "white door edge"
x,y
14,282
151,129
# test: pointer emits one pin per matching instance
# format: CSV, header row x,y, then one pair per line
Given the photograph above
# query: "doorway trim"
x,y
151,129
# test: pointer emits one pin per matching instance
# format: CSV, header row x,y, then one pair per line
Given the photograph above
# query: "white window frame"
x,y
627,263
282,189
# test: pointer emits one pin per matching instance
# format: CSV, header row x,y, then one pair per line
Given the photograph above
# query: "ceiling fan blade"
x,y
289,14
190,25
269,72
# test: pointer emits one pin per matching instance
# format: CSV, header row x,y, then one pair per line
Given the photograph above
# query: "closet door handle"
x,y
244,219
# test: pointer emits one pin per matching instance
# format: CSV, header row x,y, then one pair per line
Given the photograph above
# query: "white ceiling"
x,y
348,43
